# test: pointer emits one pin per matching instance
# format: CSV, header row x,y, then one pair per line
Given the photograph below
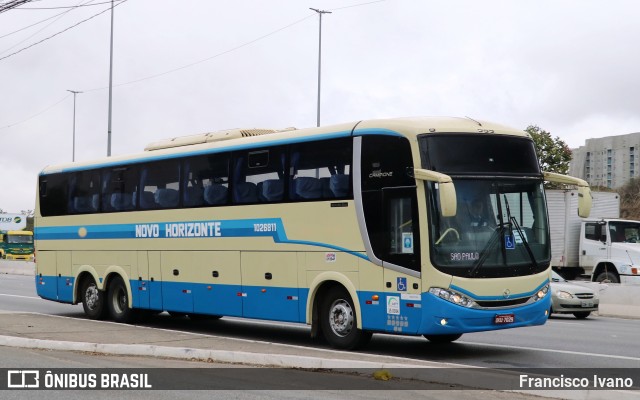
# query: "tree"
x,y
630,199
553,153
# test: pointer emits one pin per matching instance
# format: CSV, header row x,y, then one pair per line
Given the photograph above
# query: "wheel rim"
x,y
341,317
91,297
119,300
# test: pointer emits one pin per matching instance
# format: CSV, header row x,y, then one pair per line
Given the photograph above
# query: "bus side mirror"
x,y
584,201
584,192
446,189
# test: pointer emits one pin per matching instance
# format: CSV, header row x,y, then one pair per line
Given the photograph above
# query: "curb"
x,y
185,353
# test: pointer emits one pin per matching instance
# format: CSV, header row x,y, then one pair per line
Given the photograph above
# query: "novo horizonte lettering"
x,y
179,229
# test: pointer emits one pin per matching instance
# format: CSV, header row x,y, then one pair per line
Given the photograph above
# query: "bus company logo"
x,y
17,220
330,257
506,294
19,379
380,174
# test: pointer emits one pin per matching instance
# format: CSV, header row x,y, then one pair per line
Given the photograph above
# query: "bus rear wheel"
x,y
338,321
118,301
92,299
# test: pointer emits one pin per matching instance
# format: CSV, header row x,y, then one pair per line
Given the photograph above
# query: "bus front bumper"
x,y
446,318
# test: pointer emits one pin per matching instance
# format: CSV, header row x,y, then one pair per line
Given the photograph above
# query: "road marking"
x,y
579,353
22,297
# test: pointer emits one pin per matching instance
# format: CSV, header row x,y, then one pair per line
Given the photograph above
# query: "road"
x,y
564,342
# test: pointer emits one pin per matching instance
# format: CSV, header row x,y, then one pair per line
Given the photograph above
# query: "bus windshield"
x,y
19,239
500,227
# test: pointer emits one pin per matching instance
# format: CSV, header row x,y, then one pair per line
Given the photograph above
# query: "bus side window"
x,y
159,184
321,170
259,176
205,180
85,192
119,189
53,194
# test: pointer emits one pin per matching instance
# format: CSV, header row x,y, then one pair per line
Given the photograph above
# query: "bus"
x,y
16,245
411,226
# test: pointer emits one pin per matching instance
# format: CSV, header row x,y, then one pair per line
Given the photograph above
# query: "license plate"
x,y
504,319
587,304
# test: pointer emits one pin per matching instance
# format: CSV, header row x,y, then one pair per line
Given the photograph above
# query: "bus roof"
x,y
237,139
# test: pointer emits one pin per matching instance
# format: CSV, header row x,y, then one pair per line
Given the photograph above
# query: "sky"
x,y
194,66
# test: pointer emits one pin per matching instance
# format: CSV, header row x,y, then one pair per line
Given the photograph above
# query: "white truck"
x,y
603,248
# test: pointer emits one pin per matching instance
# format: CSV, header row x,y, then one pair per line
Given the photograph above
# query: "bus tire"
x,y
92,299
338,321
118,301
443,338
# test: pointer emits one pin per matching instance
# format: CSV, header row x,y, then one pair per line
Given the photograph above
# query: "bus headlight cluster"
x,y
453,297
541,293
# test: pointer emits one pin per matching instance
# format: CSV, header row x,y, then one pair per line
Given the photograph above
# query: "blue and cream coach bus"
x,y
417,226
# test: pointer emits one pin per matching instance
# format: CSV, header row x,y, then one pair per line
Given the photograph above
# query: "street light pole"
x,y
73,152
110,85
320,12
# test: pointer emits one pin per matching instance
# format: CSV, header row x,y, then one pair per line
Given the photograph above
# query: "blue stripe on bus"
x,y
265,227
278,142
375,131
426,314
155,157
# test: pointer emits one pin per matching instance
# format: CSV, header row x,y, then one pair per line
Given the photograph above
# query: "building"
x,y
607,162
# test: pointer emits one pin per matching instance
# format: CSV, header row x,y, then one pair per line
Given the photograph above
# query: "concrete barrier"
x,y
17,267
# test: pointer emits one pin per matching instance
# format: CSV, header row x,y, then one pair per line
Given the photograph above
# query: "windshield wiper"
x,y
515,223
495,238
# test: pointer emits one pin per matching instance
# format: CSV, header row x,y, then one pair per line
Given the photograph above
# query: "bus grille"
x,y
502,303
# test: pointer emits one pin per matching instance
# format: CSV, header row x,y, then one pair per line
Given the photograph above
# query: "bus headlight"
x,y
541,293
453,297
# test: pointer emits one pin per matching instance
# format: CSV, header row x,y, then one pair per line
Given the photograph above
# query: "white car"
x,y
568,298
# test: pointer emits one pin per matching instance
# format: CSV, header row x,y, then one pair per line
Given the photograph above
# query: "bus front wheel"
x,y
92,299
338,321
118,301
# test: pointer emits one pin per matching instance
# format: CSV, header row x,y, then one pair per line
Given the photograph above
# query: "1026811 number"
x,y
271,227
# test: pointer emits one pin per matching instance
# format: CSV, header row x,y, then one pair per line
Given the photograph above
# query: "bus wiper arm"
x,y
515,223
525,242
495,238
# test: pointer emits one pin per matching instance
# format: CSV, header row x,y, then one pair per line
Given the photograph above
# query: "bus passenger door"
x,y
270,286
218,283
400,259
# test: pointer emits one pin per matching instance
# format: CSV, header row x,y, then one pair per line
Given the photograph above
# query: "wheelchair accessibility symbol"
x,y
402,284
509,242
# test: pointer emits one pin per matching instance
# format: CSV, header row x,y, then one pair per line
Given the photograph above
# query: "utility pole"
x,y
73,152
320,12
110,85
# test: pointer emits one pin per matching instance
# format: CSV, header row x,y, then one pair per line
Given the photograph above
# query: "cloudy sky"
x,y
193,66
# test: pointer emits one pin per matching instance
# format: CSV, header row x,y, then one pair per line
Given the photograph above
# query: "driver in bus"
x,y
477,214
